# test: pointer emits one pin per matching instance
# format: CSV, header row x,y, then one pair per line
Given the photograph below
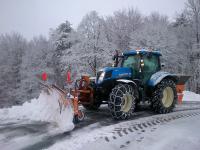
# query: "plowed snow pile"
x,y
44,108
190,96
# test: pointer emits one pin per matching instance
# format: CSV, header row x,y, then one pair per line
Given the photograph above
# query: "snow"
x,y
26,140
190,96
181,134
44,108
178,134
82,137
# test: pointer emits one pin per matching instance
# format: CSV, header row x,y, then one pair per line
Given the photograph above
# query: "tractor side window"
x,y
151,64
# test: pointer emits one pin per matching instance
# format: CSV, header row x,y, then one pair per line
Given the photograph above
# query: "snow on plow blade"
x,y
45,108
62,102
65,101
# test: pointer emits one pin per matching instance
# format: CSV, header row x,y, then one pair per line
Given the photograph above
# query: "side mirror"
x,y
162,65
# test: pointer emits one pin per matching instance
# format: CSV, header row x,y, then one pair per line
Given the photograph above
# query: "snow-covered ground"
x,y
44,108
152,133
190,96
37,125
180,134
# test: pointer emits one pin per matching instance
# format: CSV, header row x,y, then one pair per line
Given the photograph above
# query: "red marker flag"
x,y
44,76
68,76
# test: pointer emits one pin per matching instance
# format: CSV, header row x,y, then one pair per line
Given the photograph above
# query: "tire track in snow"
x,y
150,123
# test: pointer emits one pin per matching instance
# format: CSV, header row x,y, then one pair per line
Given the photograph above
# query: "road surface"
x,y
32,135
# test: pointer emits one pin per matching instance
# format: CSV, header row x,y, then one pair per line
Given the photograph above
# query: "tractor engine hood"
x,y
113,73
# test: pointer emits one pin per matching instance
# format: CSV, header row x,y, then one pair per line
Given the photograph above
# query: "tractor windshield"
x,y
132,62
150,65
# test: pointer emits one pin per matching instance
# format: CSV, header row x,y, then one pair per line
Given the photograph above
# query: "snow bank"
x,y
190,96
44,108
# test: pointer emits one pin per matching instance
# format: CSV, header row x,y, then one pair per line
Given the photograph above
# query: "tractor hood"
x,y
113,73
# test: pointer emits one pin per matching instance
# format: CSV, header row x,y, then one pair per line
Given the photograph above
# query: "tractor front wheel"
x,y
122,101
164,97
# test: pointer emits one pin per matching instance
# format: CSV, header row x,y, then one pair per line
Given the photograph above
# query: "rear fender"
x,y
159,76
179,80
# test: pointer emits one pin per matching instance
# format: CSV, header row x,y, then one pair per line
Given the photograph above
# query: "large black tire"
x,y
164,97
122,101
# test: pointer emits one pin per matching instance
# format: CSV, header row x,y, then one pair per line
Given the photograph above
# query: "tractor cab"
x,y
143,63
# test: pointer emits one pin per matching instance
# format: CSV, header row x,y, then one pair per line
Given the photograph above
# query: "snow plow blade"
x,y
65,99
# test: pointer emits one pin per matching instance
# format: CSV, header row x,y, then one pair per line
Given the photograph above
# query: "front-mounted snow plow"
x,y
134,79
66,97
81,94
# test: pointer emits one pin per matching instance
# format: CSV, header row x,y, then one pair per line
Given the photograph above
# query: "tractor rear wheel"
x,y
164,97
122,101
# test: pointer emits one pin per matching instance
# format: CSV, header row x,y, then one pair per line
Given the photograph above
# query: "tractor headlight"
x,y
101,77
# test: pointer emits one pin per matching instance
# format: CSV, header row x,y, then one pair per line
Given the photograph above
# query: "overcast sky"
x,y
35,17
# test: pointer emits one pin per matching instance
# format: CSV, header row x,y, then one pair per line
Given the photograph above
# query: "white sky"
x,y
35,17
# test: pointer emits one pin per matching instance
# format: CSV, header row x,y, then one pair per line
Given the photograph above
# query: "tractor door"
x,y
151,66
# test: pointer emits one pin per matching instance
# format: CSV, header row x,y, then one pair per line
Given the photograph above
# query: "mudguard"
x,y
158,76
127,81
130,82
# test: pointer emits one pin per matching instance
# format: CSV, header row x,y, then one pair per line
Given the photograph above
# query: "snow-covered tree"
x,y
12,49
62,41
94,42
156,34
186,27
193,11
121,25
37,59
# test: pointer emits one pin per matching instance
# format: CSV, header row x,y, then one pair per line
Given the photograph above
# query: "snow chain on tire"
x,y
160,93
122,101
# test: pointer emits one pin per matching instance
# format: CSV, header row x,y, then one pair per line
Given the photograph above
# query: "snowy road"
x,y
29,135
177,131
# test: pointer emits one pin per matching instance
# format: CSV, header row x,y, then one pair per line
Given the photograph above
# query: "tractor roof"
x,y
141,51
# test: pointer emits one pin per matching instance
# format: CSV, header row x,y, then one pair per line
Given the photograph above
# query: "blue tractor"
x,y
136,77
